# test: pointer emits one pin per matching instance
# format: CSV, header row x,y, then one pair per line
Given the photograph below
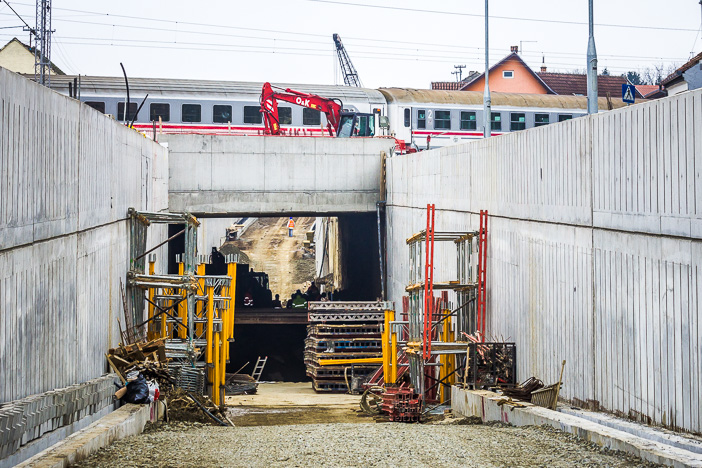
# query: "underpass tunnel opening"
x,y
340,254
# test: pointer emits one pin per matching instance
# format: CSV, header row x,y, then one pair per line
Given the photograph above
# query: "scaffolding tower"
x,y
192,312
436,333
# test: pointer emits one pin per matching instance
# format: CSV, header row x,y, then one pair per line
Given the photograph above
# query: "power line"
x,y
423,49
300,52
511,18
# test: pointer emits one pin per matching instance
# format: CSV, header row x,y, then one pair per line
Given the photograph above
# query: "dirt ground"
x,y
283,426
269,248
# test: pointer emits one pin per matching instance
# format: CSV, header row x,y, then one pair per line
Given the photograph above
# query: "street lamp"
x,y
487,102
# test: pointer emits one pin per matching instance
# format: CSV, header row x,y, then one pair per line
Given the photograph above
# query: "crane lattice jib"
x,y
350,74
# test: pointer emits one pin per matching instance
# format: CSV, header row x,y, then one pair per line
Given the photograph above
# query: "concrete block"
x,y
123,422
483,404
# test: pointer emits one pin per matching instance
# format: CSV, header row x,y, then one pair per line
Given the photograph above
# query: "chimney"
x,y
543,68
514,49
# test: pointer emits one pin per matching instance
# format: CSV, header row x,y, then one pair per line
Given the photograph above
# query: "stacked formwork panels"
x,y
343,343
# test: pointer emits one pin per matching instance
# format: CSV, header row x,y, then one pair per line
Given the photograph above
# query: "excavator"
x,y
339,123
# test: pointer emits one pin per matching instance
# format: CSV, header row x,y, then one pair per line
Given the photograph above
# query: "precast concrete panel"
x,y
594,249
274,175
68,174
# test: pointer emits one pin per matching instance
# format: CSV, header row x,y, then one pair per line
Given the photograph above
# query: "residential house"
x,y
510,75
19,58
685,78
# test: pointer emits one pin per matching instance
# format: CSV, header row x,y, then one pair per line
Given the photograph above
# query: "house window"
x,y
442,120
540,119
131,113
157,110
252,114
311,117
495,121
508,74
285,115
221,113
98,106
407,117
421,118
564,117
468,121
191,113
517,121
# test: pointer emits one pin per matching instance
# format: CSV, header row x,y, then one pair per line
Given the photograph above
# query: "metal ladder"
x,y
258,368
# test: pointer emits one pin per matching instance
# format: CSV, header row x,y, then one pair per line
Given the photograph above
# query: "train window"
x,y
221,114
421,118
468,121
191,113
540,119
285,115
442,120
496,121
252,114
407,117
564,117
131,114
157,110
97,105
508,74
517,121
311,117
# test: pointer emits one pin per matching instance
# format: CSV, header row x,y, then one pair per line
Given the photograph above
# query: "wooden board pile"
x,y
149,358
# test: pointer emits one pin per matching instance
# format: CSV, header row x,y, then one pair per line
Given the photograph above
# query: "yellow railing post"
x,y
393,350
209,336
200,312
231,271
216,369
385,346
151,329
182,306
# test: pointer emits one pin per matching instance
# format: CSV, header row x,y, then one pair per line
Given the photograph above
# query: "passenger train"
x,y
420,117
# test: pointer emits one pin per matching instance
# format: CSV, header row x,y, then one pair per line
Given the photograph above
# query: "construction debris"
x,y
524,389
147,358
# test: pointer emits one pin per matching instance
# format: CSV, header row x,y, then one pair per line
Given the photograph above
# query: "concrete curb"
x,y
123,422
483,404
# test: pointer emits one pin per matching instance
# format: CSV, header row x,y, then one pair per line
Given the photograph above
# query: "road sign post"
x,y
628,93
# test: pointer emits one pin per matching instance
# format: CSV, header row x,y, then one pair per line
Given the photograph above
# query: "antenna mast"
x,y
42,44
458,72
350,74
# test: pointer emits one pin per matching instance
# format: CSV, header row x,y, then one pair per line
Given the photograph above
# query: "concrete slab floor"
x,y
272,394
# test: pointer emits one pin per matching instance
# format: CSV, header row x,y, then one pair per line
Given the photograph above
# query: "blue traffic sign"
x,y
628,93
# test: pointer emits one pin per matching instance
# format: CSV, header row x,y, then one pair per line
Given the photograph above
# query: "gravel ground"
x,y
356,445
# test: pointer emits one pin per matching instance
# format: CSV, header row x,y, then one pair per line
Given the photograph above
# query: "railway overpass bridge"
x,y
225,176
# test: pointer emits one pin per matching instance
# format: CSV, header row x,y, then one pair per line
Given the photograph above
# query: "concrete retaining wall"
x,y
69,174
251,175
594,254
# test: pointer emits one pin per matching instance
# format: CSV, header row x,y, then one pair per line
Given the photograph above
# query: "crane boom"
x,y
269,108
350,74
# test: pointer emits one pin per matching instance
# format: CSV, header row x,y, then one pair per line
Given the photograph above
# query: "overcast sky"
x,y
405,43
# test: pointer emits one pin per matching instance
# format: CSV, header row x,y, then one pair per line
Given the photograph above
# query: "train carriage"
x,y
422,118
435,118
210,107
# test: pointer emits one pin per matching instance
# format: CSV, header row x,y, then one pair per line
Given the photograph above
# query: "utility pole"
x,y
591,66
487,103
458,72
42,45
